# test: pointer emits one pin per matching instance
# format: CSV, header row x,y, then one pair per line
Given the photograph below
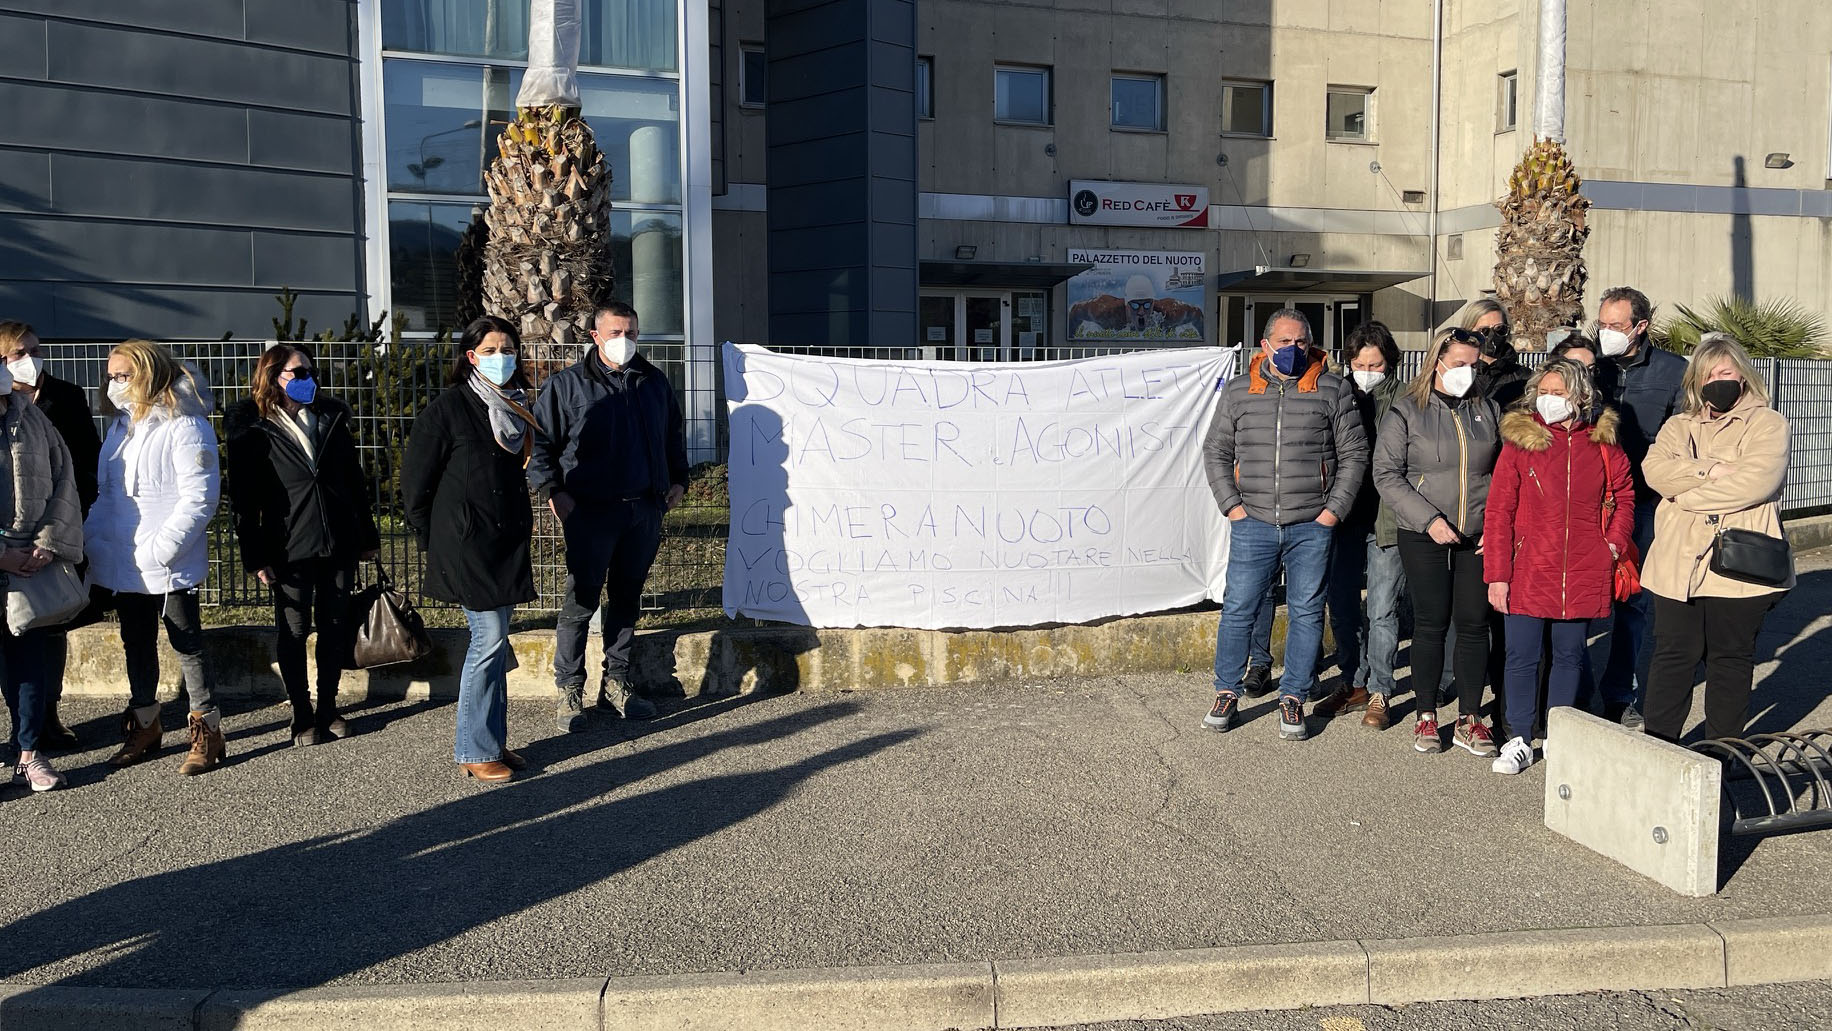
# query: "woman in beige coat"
x,y
1718,464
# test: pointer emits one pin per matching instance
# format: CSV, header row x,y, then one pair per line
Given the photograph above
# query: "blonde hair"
x,y
12,334
153,379
1580,388
1419,390
1712,349
1479,309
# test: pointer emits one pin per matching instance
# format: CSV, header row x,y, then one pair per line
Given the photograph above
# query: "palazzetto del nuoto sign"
x,y
1154,205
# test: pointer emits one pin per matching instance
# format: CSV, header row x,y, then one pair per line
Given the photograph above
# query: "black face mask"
x,y
1722,394
1494,341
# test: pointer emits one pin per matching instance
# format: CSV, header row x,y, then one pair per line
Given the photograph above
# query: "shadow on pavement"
x,y
303,914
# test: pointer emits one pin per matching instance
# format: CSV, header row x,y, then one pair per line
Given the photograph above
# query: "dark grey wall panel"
x,y
71,249
220,18
842,246
25,181
303,262
22,46
73,118
322,25
183,163
118,312
209,69
94,184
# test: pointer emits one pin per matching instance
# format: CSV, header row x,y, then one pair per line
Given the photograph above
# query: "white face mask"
x,y
1614,342
1553,408
1367,380
117,394
25,370
619,350
1458,381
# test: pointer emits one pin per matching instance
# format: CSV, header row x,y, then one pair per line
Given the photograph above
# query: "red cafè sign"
x,y
1154,205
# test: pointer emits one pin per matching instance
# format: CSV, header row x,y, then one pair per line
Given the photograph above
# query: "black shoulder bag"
x,y
1751,556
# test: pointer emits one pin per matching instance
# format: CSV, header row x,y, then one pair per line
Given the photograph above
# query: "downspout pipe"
x,y
1437,118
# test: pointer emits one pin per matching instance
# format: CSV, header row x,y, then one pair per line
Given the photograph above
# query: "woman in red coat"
x,y
1561,508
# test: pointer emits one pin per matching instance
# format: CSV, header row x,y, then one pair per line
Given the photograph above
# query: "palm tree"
x,y
1539,262
546,260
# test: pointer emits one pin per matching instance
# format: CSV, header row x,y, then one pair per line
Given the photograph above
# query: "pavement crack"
x,y
117,857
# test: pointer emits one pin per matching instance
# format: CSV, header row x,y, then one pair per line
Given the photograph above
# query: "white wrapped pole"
x,y
553,55
1549,108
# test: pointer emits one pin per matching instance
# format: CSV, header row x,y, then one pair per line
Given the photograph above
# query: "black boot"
x,y
327,719
304,730
54,736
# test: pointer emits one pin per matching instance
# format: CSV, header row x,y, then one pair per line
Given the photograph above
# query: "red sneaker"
x,y
1473,737
1425,733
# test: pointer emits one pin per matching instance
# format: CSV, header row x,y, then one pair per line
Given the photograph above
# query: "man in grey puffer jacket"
x,y
1286,455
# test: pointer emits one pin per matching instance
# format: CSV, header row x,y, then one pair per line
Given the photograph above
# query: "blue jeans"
x,y
483,688
1260,653
1365,646
1255,553
1524,639
1625,675
23,680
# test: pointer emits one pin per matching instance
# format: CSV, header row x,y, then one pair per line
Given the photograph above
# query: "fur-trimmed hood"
x,y
1528,432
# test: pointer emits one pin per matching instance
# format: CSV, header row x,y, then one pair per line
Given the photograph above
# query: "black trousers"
x,y
300,588
1722,633
1446,585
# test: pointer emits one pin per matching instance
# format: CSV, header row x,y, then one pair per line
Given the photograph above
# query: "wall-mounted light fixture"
x,y
1778,160
965,252
1300,260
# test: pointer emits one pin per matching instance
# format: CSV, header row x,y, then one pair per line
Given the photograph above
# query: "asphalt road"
x,y
1025,819
1789,1007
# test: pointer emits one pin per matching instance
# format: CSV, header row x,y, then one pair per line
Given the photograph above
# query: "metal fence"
x,y
387,391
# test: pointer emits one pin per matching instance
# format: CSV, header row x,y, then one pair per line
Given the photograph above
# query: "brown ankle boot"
x,y
207,746
140,733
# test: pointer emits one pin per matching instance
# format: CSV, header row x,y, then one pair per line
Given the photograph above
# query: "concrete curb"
x,y
996,994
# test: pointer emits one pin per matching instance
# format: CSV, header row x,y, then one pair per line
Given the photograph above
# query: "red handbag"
x,y
1626,577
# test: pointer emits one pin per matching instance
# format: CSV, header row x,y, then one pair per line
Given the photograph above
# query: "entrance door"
x,y
1331,317
966,325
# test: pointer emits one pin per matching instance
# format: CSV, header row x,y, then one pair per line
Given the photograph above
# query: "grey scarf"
x,y
510,421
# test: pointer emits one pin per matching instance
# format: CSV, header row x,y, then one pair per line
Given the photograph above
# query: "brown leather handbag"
x,y
391,630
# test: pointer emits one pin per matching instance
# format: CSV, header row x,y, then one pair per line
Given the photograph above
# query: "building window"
x,y
1507,101
752,75
1138,102
637,34
1021,95
441,119
1246,108
1349,114
925,87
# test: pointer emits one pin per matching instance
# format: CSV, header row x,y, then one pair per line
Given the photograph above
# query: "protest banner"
x,y
966,494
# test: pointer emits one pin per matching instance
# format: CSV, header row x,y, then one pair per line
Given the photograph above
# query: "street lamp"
x,y
428,163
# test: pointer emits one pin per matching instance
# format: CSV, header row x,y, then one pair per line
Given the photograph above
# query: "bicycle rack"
x,y
1792,771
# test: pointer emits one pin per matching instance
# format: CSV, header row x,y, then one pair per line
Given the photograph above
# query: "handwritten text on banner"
x,y
967,494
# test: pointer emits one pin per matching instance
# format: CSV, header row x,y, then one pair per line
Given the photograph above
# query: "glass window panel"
x,y
423,243
639,34
437,114
1136,102
422,261
1347,115
925,87
1244,109
754,73
1507,110
1022,95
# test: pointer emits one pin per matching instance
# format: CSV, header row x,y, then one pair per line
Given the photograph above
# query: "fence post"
x,y
1774,382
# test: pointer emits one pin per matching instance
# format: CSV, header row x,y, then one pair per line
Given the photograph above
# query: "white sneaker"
x,y
1515,756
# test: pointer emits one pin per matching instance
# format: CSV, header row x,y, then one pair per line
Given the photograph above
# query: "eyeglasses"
x,y
1464,336
1139,305
301,372
118,377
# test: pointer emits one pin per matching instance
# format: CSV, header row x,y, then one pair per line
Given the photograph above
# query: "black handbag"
x,y
391,630
1751,557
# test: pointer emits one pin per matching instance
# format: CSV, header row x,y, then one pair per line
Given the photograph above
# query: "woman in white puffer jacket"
x,y
147,537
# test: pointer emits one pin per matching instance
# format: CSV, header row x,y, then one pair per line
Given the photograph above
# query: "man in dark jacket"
x,y
64,403
609,460
1286,457
1645,391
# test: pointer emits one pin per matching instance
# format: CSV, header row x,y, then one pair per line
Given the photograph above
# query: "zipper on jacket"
x,y
1564,573
1533,474
1278,442
1456,421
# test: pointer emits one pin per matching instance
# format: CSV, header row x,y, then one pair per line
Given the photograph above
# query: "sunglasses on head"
x,y
1464,336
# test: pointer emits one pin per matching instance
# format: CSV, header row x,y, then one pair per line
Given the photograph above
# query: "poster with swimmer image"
x,y
1142,296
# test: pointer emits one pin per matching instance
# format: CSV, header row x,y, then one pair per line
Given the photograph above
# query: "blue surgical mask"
x,y
1290,360
497,368
301,390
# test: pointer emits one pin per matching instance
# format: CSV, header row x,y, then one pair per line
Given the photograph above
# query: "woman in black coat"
x,y
467,499
303,517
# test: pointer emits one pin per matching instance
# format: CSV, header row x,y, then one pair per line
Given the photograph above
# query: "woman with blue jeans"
x,y
467,498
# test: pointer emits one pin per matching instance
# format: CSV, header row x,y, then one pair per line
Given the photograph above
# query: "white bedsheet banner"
x,y
967,494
